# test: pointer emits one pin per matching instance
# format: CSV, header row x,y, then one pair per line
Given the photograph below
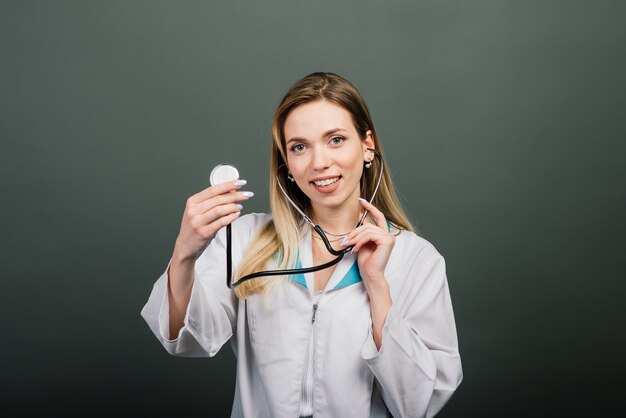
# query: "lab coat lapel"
x,y
341,269
306,258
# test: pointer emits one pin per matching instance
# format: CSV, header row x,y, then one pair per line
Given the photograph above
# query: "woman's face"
x,y
325,153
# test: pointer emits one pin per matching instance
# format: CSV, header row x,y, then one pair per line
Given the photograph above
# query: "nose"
x,y
320,160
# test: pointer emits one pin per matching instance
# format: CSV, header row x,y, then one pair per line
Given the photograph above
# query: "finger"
x,y
379,218
223,199
216,190
363,215
367,221
362,232
375,236
378,215
214,214
372,232
215,226
361,242
352,234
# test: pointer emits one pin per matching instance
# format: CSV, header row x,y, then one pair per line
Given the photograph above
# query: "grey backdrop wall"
x,y
503,126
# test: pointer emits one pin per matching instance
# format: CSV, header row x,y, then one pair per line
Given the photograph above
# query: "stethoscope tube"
x,y
317,229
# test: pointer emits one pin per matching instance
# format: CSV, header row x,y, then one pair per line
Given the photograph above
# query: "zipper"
x,y
310,378
314,330
315,305
314,312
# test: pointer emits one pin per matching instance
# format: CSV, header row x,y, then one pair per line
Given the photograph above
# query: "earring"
x,y
290,177
368,159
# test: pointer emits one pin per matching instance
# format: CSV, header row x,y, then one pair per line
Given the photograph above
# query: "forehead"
x,y
315,118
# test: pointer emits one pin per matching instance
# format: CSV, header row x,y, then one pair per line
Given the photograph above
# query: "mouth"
x,y
326,185
326,182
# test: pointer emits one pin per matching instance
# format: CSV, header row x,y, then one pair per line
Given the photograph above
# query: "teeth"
x,y
326,182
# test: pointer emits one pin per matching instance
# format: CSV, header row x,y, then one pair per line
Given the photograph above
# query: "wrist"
x,y
183,260
376,284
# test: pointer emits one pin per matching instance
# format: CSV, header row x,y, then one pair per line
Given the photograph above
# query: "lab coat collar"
x,y
346,272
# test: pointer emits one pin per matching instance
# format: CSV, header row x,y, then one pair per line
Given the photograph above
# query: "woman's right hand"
x,y
205,213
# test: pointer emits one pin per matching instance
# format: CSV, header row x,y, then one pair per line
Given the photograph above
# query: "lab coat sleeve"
x,y
211,314
418,366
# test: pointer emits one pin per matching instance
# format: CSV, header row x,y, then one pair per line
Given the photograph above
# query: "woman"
x,y
371,336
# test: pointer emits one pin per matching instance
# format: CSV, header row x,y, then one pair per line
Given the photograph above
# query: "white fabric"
x,y
414,374
308,382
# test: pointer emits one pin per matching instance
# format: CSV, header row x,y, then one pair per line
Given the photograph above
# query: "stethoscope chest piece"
x,y
223,173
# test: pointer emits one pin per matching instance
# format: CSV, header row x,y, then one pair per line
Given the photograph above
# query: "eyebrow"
x,y
329,132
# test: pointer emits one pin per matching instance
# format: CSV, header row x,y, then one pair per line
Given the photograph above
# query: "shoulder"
x,y
416,266
253,220
242,230
249,223
411,247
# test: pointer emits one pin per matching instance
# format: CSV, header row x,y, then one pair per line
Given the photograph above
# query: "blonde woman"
x,y
371,336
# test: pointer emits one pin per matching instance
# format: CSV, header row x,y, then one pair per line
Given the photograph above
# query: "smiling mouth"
x,y
326,182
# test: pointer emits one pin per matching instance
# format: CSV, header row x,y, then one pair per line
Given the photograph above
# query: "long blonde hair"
x,y
277,241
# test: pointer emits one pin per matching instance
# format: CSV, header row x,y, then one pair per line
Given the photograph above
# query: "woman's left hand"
x,y
373,244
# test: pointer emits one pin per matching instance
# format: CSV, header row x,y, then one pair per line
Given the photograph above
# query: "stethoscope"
x,y
227,172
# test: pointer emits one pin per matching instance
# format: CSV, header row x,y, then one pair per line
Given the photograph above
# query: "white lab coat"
x,y
414,374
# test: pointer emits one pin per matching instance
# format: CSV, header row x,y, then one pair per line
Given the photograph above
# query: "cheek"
x,y
356,165
297,167
358,173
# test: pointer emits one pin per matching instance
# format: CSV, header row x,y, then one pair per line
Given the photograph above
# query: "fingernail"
x,y
247,194
239,206
237,213
360,198
240,182
344,240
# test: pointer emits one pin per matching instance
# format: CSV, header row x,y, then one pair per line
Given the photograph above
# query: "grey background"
x,y
503,126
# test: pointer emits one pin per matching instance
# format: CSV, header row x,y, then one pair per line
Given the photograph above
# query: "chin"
x,y
331,202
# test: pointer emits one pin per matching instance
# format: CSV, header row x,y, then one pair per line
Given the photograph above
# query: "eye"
x,y
297,147
337,139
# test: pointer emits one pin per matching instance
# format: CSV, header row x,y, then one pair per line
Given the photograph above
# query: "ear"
x,y
368,142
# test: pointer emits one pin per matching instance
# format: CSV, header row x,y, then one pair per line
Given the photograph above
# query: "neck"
x,y
340,219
